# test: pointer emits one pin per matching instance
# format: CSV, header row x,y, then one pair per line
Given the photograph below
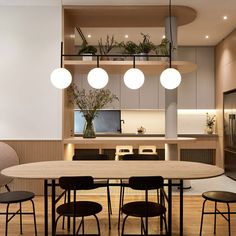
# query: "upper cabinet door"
x,y
205,78
187,92
149,92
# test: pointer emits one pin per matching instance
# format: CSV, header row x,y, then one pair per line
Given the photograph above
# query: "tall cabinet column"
x,y
171,150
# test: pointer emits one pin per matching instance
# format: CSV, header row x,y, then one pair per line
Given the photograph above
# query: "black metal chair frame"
x,y
216,212
97,183
73,184
18,212
133,157
147,183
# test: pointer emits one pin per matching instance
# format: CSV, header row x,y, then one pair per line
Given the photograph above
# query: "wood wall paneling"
x,y
34,151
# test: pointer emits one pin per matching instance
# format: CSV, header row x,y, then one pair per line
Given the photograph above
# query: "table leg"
x,y
181,206
45,207
170,207
53,206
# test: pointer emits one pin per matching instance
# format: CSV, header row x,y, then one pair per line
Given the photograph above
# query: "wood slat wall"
x,y
34,151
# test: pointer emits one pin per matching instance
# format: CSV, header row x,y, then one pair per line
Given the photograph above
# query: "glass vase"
x,y
89,131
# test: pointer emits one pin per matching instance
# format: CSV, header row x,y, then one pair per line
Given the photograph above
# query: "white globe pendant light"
x,y
134,78
170,78
61,78
97,78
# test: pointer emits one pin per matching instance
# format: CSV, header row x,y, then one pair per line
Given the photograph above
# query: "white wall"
x,y
190,121
30,107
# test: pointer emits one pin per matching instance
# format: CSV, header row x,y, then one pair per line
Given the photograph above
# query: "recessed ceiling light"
x,y
207,37
89,36
225,17
163,36
126,36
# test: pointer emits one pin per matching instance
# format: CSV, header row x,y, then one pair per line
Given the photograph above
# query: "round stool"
x,y
221,197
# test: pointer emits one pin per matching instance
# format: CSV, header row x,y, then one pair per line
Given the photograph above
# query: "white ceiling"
x,y
209,21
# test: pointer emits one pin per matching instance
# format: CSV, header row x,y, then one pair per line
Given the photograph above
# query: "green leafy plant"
x,y
107,46
90,102
129,47
87,49
146,45
163,47
210,120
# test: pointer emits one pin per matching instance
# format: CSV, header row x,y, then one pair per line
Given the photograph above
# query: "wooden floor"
x,y
192,215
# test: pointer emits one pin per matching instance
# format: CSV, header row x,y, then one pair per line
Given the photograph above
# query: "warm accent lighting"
x,y
225,17
61,78
126,36
134,78
207,37
97,78
89,36
170,78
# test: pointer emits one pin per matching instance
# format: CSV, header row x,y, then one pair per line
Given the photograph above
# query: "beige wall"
x,y
225,78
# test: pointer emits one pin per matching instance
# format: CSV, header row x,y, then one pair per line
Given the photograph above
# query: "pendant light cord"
x,y
171,39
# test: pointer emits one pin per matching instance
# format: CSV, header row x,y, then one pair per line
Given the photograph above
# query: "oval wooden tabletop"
x,y
114,169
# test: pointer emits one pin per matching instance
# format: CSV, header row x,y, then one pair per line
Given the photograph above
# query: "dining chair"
x,y
8,157
122,150
125,183
99,183
75,208
218,197
145,208
147,149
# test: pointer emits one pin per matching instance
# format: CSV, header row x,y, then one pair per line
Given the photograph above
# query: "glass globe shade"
x,y
134,78
170,78
61,78
97,78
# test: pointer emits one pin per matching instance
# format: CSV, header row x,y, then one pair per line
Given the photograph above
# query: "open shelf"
x,y
146,66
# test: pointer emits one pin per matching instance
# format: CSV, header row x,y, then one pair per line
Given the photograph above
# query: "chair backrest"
x,y
76,182
146,182
150,149
124,149
8,157
140,157
92,157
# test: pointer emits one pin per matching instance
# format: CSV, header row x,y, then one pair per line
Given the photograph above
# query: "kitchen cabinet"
x,y
197,88
148,95
205,78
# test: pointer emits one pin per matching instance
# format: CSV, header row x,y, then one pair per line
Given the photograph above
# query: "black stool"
x,y
9,198
221,197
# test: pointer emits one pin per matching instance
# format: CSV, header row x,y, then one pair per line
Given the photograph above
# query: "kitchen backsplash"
x,y
189,121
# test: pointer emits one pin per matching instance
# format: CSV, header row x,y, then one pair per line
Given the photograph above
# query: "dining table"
x,y
174,172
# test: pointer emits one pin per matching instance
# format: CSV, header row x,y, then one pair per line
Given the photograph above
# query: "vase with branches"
x,y
89,103
210,122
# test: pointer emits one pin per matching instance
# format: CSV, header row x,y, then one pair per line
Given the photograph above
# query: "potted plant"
x,y
145,47
163,49
104,49
89,103
88,51
210,122
128,48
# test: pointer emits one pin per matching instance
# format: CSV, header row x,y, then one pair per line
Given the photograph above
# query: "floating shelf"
x,y
120,66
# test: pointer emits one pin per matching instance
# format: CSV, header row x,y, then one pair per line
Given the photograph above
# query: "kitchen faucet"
x,y
120,130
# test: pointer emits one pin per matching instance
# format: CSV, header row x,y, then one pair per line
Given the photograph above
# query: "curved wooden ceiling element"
x,y
128,16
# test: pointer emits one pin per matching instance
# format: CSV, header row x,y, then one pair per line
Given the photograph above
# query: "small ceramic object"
x,y
141,130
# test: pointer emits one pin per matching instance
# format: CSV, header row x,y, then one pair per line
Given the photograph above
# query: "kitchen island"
x,y
191,147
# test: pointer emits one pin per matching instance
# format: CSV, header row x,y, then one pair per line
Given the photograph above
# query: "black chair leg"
x,y
119,210
215,218
6,229
21,231
123,225
229,219
35,226
99,233
203,206
109,206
